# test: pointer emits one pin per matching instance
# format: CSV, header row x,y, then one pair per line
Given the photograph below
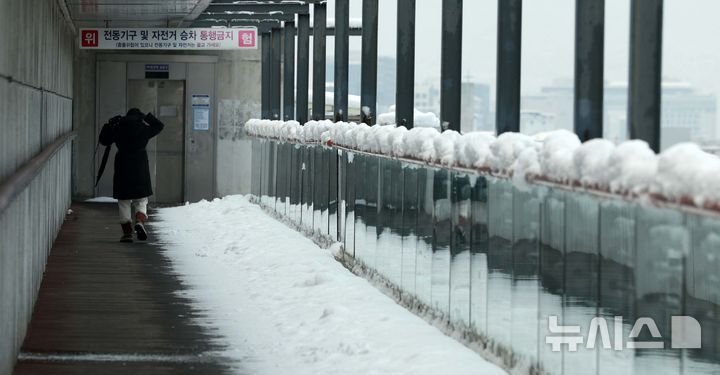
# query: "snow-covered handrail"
x,y
682,174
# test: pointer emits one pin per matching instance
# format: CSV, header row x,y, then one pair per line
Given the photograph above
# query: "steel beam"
x,y
589,52
247,16
330,31
507,111
319,43
266,48
262,26
285,8
275,74
368,80
644,96
405,73
303,64
451,65
289,72
342,45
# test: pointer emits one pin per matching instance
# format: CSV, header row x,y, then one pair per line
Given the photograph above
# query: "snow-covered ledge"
x,y
683,174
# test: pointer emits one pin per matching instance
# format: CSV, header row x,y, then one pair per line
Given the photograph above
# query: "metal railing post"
x,y
303,63
319,32
342,41
589,52
645,91
405,73
368,75
289,71
451,65
507,111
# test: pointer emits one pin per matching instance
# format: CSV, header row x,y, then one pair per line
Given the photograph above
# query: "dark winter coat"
x,y
131,135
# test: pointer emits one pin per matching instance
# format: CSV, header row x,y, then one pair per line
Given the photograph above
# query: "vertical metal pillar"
x,y
507,111
368,80
265,44
303,63
342,45
275,74
289,71
405,73
451,65
319,32
646,22
589,52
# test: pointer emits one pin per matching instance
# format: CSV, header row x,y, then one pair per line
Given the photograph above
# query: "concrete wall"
x,y
237,91
35,108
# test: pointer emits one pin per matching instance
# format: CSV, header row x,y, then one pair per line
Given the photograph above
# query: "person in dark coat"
x,y
131,183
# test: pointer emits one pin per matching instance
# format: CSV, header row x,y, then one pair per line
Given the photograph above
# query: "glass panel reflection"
x,y
499,287
526,273
500,259
461,193
441,240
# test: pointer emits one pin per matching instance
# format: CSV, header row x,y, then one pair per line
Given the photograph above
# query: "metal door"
x,y
165,99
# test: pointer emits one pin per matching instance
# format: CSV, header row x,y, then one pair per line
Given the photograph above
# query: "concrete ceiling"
x,y
134,13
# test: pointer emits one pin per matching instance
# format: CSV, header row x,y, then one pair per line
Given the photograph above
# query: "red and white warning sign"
x,y
171,39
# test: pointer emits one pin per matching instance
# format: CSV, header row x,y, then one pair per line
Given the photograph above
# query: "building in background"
x,y
687,113
427,97
476,115
386,83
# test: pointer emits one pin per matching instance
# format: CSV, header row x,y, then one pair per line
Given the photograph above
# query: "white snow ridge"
x,y
282,305
682,174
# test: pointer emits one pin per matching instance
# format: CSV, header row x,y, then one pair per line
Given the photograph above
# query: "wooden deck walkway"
x,y
110,308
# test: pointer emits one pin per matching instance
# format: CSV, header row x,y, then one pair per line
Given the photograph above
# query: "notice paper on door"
x,y
201,112
201,118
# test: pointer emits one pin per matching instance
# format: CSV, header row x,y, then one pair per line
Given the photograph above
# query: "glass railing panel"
x,y
257,168
408,228
282,178
479,256
319,188
441,240
702,299
349,183
423,256
295,184
663,243
461,203
526,272
308,187
272,175
389,246
359,170
370,215
500,229
333,198
265,146
552,267
582,250
617,280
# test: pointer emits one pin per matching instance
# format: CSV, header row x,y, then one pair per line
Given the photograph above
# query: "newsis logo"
x,y
685,334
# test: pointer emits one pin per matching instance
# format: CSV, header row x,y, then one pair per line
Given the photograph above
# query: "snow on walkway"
x,y
285,306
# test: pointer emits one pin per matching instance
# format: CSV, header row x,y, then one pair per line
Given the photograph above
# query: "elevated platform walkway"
x,y
106,307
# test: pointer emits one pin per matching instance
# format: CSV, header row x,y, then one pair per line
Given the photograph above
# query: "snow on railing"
x,y
682,174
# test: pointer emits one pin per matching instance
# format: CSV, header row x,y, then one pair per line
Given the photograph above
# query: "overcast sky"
x,y
690,49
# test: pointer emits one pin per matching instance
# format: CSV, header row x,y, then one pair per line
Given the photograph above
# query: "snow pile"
x,y
556,156
290,131
683,173
281,305
315,129
421,119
